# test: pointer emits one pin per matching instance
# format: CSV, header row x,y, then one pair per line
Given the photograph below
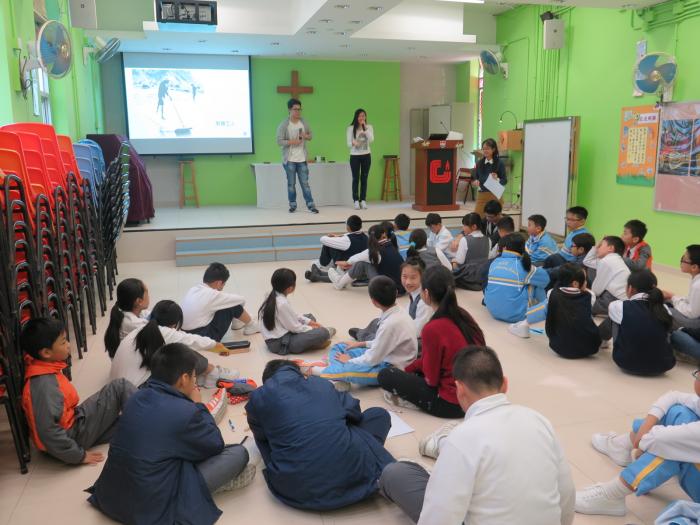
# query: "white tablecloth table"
x,y
331,185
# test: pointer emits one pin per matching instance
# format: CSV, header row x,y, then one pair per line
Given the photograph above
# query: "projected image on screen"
x,y
178,109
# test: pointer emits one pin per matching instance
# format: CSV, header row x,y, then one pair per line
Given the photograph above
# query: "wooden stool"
x,y
392,178
194,197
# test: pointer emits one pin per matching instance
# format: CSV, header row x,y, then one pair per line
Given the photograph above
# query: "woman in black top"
x,y
490,165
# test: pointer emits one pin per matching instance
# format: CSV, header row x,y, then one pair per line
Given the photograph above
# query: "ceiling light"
x,y
325,20
342,6
341,33
311,32
274,43
375,8
355,21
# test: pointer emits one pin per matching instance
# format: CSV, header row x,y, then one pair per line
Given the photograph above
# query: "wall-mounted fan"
x,y
655,74
53,49
102,50
492,63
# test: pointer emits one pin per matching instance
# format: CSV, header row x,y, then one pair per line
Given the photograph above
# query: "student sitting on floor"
x,y
128,313
132,361
58,425
430,255
470,246
502,464
493,212
570,328
168,456
639,328
687,342
576,217
583,248
411,277
321,451
286,332
516,289
427,383
401,224
440,237
380,258
504,226
664,445
210,312
637,253
686,310
611,274
540,244
338,248
395,343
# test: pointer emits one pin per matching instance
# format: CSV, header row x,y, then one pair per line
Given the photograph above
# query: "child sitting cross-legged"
x,y
440,237
286,332
576,217
167,456
611,273
471,246
128,313
360,362
664,445
686,310
430,255
540,244
637,253
59,425
336,248
427,383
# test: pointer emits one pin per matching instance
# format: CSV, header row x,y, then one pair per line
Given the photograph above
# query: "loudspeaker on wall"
x,y
553,33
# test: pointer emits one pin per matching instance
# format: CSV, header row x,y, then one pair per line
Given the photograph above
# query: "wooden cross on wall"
x,y
295,90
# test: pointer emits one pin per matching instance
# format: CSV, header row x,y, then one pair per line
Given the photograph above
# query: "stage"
x,y
155,241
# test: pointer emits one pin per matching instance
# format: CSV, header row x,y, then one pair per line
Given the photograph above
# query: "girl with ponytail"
x,y
132,359
516,289
427,383
128,313
285,331
472,245
640,327
430,255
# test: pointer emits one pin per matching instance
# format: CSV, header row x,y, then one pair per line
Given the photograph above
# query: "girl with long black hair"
x,y
285,331
427,383
490,165
430,255
128,313
132,359
359,136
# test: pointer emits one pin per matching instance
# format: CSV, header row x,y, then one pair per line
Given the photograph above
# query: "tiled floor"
x,y
579,398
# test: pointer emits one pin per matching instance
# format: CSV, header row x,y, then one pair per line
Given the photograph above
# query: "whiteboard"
x,y
549,170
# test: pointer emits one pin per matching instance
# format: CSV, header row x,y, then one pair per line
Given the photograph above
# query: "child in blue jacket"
x,y
540,244
516,289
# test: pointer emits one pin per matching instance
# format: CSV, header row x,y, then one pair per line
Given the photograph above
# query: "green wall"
x,y
339,88
592,78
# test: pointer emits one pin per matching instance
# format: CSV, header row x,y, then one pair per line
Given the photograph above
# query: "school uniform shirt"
x,y
419,311
402,237
689,306
484,168
286,320
611,276
541,246
591,259
364,141
395,341
133,322
675,443
502,465
481,245
388,262
441,241
565,250
344,242
202,302
638,256
128,361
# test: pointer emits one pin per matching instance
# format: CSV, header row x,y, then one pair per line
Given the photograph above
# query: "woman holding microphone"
x,y
359,136
490,165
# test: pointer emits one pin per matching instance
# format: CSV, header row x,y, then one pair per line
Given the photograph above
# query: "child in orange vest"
x,y
637,253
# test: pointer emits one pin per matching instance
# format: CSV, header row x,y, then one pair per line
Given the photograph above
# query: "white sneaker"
x,y
521,329
251,328
217,405
363,205
237,324
211,379
605,443
594,500
397,401
356,205
430,445
339,279
331,331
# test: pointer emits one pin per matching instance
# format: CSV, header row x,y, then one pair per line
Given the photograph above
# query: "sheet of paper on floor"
x,y
398,426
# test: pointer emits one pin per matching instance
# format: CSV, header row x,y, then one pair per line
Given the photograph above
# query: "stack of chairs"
x,y
54,256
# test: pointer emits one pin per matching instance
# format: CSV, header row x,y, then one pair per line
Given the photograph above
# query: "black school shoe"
x,y
292,209
313,210
353,332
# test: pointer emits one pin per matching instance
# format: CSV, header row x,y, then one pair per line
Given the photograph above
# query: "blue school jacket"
x,y
511,290
541,246
316,457
150,477
565,250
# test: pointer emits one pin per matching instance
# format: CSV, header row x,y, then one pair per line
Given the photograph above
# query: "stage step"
x,y
247,248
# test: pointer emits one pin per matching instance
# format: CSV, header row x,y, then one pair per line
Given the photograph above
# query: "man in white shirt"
x,y
208,311
665,444
610,281
439,237
686,310
501,465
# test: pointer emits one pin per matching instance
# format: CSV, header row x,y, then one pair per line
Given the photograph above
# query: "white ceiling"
x,y
405,30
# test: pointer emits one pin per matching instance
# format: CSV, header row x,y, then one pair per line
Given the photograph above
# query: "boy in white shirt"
x,y
209,312
665,444
686,310
440,237
335,247
395,343
484,472
610,281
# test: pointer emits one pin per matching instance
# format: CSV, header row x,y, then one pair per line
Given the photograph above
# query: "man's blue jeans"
x,y
301,170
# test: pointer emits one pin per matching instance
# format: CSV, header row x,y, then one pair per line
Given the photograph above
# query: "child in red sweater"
x,y
427,383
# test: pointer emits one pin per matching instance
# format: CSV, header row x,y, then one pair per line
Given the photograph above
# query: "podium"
x,y
436,172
